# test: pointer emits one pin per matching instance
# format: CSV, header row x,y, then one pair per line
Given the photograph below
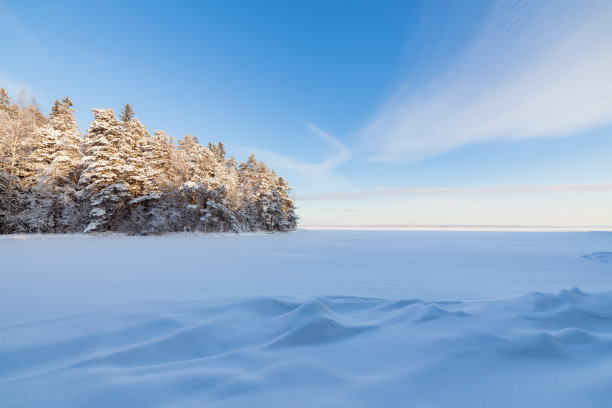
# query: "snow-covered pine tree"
x,y
207,208
193,160
27,118
289,217
158,159
134,146
5,99
174,166
37,214
248,213
65,166
162,207
127,113
57,144
68,156
6,179
128,181
215,191
267,203
217,213
55,154
230,178
18,122
104,165
44,145
218,151
267,199
144,158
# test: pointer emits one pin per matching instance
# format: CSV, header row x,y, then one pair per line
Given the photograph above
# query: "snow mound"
x,y
599,256
253,351
307,319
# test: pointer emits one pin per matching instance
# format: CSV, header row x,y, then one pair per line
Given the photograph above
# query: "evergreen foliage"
x,y
127,113
119,177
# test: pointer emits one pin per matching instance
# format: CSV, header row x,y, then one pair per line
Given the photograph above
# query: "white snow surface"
x,y
307,319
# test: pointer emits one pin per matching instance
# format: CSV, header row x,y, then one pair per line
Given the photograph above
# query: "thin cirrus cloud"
x,y
537,69
390,192
322,171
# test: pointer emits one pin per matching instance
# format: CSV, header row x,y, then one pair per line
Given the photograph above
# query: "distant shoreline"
x,y
543,228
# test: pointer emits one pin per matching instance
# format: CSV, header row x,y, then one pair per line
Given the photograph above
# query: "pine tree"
x,y
65,166
193,160
68,156
56,107
230,178
101,182
158,160
55,154
5,160
217,213
127,113
5,99
18,122
248,212
128,180
44,147
267,203
133,149
289,218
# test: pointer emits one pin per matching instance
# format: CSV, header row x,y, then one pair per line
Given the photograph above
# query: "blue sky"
x,y
379,113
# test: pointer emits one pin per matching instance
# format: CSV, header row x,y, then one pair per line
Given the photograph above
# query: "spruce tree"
x,y
5,99
43,150
104,165
65,167
133,150
127,113
18,173
193,160
289,218
158,162
128,180
5,177
68,156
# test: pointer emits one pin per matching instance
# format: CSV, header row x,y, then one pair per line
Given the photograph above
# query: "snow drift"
x,y
238,346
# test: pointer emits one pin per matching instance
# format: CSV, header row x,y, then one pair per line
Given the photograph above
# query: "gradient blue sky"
x,y
379,113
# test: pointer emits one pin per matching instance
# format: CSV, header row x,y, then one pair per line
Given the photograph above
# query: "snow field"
x,y
338,319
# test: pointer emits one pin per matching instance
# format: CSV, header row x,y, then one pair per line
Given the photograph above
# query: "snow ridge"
x,y
370,351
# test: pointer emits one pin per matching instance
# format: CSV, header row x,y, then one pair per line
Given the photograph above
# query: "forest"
x,y
119,177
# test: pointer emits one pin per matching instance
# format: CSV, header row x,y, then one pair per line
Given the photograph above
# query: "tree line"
x,y
119,177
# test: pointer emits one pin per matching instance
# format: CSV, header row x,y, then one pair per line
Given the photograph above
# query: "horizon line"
x,y
459,227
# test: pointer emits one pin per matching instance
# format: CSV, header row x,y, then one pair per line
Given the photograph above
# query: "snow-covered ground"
x,y
307,319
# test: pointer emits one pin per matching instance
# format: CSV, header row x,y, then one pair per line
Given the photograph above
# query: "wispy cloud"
x,y
319,171
537,69
388,192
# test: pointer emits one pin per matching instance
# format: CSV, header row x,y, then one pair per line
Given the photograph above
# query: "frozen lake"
x,y
311,318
